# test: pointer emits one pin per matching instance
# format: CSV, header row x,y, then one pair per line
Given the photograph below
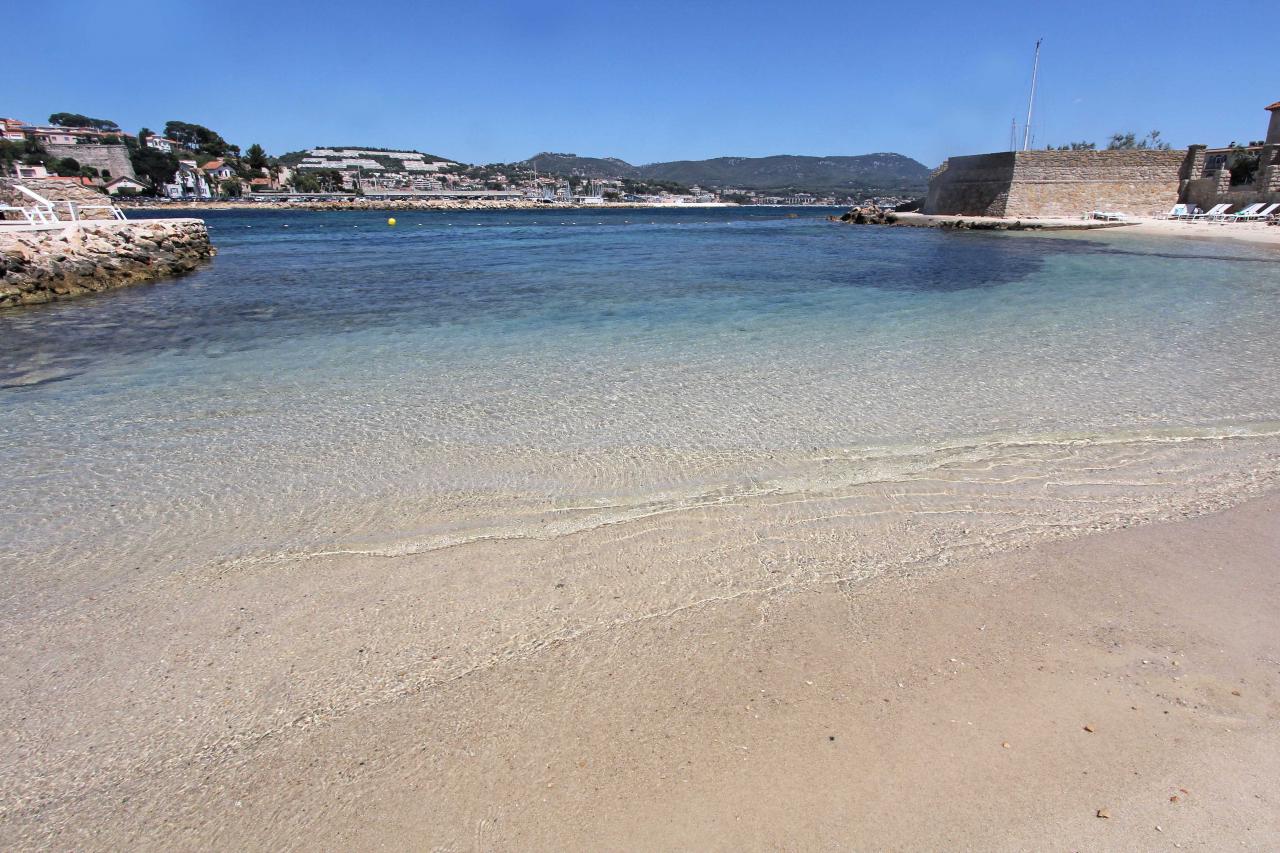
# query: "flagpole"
x,y
1035,69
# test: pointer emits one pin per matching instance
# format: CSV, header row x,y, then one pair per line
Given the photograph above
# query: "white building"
x,y
126,185
161,144
189,182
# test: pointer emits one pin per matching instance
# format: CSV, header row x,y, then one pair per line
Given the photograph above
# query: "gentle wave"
x,y
829,475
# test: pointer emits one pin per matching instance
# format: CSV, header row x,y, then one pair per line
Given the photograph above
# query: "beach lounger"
x,y
1247,215
1213,212
1241,213
1108,215
1179,211
1192,210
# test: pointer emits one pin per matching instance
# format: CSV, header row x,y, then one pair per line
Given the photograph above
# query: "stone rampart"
x,y
1057,183
90,257
977,185
1072,183
110,158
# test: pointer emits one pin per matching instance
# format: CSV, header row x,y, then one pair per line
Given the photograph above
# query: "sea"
x,y
331,384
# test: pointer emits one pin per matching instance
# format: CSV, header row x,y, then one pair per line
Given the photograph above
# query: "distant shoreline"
x,y
418,204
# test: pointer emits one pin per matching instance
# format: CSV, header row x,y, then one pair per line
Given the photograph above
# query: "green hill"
x,y
886,172
582,167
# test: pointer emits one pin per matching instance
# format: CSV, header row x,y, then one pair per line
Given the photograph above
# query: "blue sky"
x,y
493,81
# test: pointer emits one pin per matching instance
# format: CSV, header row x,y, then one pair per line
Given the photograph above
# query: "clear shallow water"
x,y
330,383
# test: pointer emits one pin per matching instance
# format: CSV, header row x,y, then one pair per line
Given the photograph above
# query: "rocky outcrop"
x,y
90,257
868,214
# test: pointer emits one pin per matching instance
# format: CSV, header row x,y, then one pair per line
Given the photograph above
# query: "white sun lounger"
x,y
1248,215
1212,213
1241,213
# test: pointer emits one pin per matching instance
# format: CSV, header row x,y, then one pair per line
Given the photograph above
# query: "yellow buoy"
x,y
391,221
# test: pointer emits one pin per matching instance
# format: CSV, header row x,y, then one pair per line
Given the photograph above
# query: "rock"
x,y
1104,813
868,214
42,266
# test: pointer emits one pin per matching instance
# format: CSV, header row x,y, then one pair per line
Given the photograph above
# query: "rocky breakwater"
x,y
868,214
89,257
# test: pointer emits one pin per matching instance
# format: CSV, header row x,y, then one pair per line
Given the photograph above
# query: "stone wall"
x,y
1072,183
974,186
55,190
90,257
113,158
1057,183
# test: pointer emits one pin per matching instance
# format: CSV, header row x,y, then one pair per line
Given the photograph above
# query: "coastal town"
x,y
191,164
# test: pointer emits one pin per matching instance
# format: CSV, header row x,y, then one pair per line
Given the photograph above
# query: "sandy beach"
x,y
1118,691
1249,232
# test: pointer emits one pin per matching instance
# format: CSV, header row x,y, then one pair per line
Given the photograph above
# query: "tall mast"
x,y
1035,68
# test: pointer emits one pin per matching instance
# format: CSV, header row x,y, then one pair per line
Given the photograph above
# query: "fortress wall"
x,y
977,185
112,158
1057,183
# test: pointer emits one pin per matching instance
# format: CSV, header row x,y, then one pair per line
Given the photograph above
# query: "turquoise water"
x,y
329,382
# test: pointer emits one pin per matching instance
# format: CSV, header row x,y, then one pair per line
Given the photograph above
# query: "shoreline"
x,y
499,584
1258,233
418,204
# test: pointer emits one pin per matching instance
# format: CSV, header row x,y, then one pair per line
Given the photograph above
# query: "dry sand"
x,y
1249,232
940,710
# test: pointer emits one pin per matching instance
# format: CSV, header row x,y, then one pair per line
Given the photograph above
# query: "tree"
x,y
305,183
257,157
197,137
1243,165
1130,141
1078,146
155,167
11,151
231,188
78,120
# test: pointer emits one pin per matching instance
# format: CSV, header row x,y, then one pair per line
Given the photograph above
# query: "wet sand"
x,y
938,710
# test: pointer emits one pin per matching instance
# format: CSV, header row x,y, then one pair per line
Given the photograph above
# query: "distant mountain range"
x,y
885,172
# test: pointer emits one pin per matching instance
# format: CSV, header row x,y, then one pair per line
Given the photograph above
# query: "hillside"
x,y
883,171
583,167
